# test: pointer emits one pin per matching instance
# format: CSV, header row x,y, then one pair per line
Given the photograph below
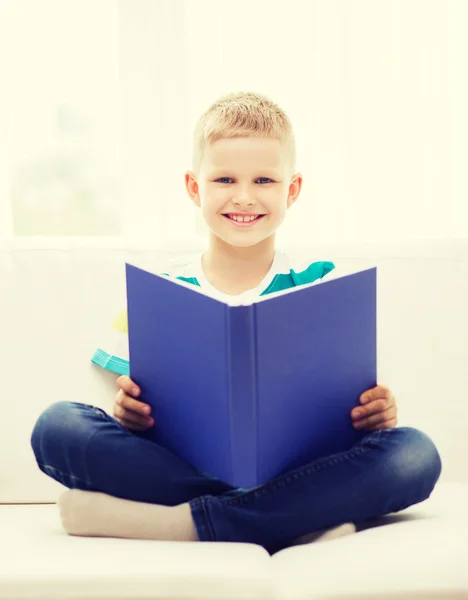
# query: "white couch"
x,y
56,299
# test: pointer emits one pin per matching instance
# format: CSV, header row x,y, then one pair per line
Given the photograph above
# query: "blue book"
x,y
246,393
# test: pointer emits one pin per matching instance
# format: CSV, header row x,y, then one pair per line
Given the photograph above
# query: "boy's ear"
x,y
192,187
294,189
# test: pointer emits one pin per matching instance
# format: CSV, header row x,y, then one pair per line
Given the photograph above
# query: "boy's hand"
x,y
378,410
131,413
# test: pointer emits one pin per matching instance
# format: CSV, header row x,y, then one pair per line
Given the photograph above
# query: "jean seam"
x,y
296,474
99,411
200,504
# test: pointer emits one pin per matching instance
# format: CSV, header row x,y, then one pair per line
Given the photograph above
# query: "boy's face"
x,y
244,175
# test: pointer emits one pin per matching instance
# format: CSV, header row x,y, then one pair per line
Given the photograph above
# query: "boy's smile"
x,y
243,219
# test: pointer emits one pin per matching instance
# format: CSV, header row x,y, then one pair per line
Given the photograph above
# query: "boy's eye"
x,y
221,179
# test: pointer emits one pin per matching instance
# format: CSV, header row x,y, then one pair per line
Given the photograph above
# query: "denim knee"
x,y
56,424
417,460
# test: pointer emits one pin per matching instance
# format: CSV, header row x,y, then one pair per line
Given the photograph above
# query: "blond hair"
x,y
243,115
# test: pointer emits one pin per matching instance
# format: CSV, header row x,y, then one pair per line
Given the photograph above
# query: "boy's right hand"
x,y
131,413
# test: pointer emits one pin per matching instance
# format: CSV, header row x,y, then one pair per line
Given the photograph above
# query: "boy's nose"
x,y
241,202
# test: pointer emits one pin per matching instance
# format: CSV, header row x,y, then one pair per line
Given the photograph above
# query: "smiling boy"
x,y
243,180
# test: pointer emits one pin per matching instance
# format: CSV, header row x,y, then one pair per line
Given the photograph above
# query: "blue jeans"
x,y
83,447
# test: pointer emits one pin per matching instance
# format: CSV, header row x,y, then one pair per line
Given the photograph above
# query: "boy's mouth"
x,y
242,220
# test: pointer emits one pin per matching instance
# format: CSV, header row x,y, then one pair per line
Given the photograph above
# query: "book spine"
x,y
242,394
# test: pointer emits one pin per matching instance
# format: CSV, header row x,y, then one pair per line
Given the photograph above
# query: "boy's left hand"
x,y
378,410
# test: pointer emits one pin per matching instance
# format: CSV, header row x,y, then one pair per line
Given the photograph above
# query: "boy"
x,y
244,181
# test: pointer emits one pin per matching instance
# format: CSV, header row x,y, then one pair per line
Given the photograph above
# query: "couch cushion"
x,y
40,561
418,553
75,286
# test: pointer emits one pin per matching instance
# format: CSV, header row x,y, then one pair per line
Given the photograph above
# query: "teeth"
x,y
242,219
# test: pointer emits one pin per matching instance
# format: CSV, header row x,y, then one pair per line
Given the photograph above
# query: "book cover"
x,y
246,393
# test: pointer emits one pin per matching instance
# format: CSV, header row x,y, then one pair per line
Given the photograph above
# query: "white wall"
x,y
376,91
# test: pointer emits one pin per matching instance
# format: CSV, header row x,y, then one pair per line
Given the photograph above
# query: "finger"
x,y
132,417
391,423
379,391
128,386
131,426
374,419
131,404
377,406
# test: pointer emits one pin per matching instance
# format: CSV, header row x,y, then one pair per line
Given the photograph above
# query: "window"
x,y
59,118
